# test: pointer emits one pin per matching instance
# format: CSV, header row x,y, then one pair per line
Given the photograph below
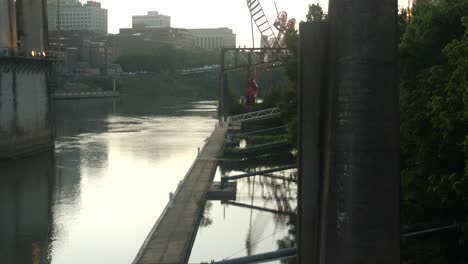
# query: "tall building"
x,y
70,15
213,38
147,40
152,20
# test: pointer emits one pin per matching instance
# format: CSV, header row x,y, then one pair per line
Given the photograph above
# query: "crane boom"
x,y
271,39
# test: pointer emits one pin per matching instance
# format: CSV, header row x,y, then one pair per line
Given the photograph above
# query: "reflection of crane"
x,y
271,39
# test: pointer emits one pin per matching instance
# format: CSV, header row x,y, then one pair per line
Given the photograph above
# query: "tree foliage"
x,y
434,115
315,13
167,58
289,103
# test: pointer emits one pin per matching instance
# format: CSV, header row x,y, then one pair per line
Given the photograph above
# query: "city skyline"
x,y
203,14
206,14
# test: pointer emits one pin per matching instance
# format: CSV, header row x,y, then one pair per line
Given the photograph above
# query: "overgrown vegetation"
x,y
433,56
204,86
168,59
434,123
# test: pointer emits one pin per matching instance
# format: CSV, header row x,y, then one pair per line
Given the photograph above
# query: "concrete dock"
x,y
171,239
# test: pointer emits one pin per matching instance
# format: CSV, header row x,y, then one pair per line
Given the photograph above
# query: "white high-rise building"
x,y
66,15
152,20
213,38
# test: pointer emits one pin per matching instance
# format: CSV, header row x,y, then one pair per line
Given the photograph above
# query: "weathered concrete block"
x,y
25,108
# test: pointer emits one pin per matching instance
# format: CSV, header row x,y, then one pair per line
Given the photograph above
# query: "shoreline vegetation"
x,y
203,85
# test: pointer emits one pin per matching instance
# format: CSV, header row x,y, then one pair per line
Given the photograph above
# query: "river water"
x,y
261,219
96,197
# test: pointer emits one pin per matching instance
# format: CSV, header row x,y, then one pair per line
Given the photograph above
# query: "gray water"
x,y
96,197
233,230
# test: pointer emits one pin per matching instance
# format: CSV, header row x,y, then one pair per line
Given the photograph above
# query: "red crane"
x,y
271,39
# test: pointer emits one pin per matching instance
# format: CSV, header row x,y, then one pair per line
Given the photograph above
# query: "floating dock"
x,y
171,239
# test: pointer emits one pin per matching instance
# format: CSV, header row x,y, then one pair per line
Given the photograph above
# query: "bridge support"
x,y
312,97
25,106
25,88
348,170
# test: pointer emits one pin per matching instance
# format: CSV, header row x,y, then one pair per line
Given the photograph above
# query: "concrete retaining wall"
x,y
25,109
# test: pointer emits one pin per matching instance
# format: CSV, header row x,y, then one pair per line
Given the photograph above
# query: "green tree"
x,y
434,120
288,104
432,130
167,58
315,13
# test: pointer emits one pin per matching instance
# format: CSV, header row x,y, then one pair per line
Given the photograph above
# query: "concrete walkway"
x,y
171,239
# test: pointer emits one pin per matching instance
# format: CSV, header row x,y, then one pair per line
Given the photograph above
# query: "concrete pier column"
x,y
32,24
313,57
360,205
349,136
8,40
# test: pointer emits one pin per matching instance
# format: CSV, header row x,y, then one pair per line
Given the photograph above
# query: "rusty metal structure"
x,y
233,59
271,40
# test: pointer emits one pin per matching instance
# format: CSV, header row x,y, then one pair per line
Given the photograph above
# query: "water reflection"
x,y
96,198
262,218
116,165
25,205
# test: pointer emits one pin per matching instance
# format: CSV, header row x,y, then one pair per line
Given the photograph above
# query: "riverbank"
x,y
201,86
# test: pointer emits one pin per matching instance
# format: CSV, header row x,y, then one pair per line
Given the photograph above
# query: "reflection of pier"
x,y
171,239
266,172
25,204
263,209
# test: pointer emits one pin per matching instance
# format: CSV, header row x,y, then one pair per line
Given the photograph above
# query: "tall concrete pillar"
x,y
349,129
32,24
25,97
8,40
313,46
360,206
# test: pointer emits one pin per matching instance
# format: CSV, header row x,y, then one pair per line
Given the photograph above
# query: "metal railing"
x,y
257,115
261,258
63,94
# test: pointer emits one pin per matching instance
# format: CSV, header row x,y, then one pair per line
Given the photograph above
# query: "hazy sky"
x,y
205,13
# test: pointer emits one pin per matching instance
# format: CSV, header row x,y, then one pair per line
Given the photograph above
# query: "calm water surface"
x,y
261,219
95,199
